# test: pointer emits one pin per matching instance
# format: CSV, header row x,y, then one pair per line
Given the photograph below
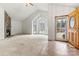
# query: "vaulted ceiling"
x,y
63,8
19,11
71,5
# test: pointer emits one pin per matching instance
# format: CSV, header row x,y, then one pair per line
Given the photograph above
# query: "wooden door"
x,y
73,33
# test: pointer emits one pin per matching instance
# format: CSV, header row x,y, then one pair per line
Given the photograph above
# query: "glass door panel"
x,y
61,28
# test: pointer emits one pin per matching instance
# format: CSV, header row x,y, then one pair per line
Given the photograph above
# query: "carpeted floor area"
x,y
24,45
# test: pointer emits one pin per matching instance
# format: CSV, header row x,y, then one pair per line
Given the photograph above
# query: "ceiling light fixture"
x,y
28,4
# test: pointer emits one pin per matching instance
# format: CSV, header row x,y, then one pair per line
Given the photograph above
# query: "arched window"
x,y
39,25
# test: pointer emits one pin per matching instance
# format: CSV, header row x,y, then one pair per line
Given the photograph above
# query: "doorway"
x,y
61,28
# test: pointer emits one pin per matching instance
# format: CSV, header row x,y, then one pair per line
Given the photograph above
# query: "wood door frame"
x,y
61,16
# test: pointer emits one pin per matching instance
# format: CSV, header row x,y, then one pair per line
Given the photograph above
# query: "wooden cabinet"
x,y
73,33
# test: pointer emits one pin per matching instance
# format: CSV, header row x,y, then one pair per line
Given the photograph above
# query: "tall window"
x,y
39,25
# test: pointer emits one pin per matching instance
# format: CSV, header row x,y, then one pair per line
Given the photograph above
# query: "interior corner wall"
x,y
2,33
55,10
16,27
27,23
27,27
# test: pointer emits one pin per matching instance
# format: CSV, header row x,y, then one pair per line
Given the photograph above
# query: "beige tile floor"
x,y
35,45
24,45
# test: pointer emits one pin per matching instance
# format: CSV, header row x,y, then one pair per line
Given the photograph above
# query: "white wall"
x,y
25,26
56,10
27,23
16,27
2,36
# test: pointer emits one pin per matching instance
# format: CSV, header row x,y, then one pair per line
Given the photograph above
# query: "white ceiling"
x,y
18,11
72,5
